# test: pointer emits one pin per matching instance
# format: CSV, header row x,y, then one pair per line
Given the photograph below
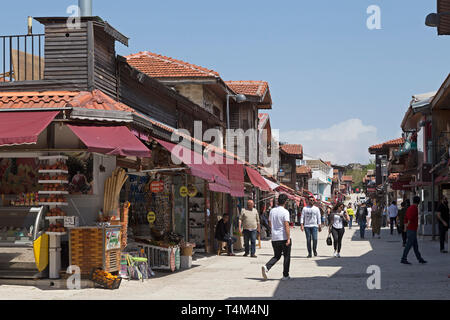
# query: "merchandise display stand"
x,y
55,237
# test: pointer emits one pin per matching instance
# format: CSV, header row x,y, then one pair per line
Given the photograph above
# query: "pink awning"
x,y
196,163
257,179
235,174
18,128
111,140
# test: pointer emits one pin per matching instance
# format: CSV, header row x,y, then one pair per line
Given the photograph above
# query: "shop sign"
x,y
184,191
157,186
192,191
112,239
151,217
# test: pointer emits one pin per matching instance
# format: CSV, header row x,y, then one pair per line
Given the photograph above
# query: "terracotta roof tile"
x,y
347,178
293,149
387,144
251,88
158,66
304,170
60,99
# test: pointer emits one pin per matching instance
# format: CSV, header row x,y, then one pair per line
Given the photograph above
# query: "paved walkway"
x,y
324,277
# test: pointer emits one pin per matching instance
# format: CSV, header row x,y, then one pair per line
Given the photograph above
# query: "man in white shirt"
x,y
310,224
279,221
393,213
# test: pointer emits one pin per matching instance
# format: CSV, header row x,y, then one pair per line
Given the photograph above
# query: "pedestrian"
x,y
385,214
376,221
249,225
443,218
351,214
310,223
223,233
265,223
393,213
411,225
401,221
337,227
281,238
362,219
369,214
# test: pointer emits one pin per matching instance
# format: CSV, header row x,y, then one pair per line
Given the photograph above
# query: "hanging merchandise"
x,y
113,185
184,191
151,217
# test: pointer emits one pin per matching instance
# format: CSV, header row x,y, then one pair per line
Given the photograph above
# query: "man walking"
x,y
310,224
401,222
443,217
393,213
411,225
362,219
249,222
281,238
351,214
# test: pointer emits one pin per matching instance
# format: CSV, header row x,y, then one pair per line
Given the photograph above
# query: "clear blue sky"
x,y
323,65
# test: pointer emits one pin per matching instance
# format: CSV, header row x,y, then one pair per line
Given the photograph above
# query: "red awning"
x,y
111,140
257,180
197,165
18,128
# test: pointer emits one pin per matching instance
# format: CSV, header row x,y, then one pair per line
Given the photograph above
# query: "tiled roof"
x,y
293,149
304,170
347,178
60,99
250,88
158,66
387,144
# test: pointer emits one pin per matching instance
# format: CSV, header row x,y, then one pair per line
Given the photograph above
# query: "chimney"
x,y
85,8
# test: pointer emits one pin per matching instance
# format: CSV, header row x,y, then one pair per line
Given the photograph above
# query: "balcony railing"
x,y
21,57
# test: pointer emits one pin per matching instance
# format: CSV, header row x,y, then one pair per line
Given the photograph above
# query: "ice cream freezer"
x,y
24,246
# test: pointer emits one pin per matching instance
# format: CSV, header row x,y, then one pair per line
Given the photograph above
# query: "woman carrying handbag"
x,y
339,217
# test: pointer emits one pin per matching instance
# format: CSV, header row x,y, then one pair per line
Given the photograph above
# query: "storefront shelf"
x,y
53,192
54,158
53,181
53,204
56,233
54,171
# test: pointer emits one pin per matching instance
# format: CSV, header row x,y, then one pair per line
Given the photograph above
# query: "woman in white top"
x,y
369,215
337,227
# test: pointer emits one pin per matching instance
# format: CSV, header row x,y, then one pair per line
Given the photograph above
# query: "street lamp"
x,y
433,19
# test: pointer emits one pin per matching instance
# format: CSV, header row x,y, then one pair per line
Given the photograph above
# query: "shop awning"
x,y
257,179
111,140
18,128
197,165
272,185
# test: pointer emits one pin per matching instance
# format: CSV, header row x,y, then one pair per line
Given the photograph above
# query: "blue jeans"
x,y
250,236
311,234
350,222
411,242
362,229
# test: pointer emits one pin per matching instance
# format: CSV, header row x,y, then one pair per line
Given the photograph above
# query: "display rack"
x,y
55,237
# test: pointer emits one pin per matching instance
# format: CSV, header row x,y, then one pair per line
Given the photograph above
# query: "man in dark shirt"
x,y
443,218
223,233
361,218
411,226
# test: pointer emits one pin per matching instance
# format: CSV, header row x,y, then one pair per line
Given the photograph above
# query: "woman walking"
x,y
337,227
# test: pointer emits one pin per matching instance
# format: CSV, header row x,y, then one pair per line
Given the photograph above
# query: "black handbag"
x,y
329,240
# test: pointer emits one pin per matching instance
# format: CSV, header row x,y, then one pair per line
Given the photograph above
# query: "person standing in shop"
x,y
281,238
411,226
310,223
249,225
443,218
393,213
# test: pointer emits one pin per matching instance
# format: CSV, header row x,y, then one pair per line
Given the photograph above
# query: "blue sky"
x,y
337,87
